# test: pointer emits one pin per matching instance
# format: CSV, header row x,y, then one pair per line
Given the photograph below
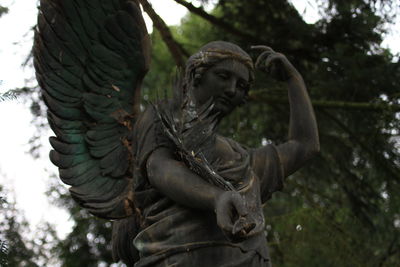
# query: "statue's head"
x,y
220,70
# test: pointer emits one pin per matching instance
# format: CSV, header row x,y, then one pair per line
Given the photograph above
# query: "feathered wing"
x,y
90,58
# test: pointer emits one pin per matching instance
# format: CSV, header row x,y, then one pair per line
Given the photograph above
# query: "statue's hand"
x,y
274,64
232,215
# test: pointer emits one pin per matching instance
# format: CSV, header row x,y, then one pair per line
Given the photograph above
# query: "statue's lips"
x,y
224,101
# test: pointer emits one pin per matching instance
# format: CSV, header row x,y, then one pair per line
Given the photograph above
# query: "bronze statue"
x,y
179,193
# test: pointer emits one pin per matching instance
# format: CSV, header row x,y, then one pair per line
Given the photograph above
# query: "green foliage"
x,y
12,94
7,96
3,243
161,71
324,240
3,253
89,242
17,246
3,10
195,32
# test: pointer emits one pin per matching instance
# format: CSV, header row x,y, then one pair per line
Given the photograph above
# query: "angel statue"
x,y
179,194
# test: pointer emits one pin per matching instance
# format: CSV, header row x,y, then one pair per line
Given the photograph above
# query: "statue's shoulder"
x,y
149,134
228,149
148,117
227,141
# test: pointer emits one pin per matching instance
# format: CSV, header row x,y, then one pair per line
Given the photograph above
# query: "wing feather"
x,y
66,161
66,148
90,58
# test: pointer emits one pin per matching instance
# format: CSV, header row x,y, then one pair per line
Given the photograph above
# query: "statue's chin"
x,y
223,109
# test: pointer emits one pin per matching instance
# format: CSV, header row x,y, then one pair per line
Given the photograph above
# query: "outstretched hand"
x,y
233,216
273,63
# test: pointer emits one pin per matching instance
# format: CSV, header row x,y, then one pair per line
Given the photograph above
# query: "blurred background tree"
x,y
19,246
3,10
343,209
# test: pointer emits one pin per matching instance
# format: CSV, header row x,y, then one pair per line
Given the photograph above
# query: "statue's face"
x,y
227,82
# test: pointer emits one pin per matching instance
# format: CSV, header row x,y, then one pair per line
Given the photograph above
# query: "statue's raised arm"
x,y
303,141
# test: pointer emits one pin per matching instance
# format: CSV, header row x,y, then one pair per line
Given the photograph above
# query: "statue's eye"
x,y
243,85
223,75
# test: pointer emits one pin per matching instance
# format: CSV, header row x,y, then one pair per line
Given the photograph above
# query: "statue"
x,y
179,193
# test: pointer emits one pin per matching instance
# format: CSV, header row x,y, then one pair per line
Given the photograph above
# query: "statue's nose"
x,y
230,89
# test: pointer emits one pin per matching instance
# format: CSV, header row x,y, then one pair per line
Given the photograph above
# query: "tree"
x,y
89,242
17,248
3,10
3,244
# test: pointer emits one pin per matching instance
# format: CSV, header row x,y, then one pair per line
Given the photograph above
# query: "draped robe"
x,y
171,234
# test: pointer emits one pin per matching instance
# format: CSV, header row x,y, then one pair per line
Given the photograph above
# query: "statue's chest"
x,y
229,160
225,152
221,152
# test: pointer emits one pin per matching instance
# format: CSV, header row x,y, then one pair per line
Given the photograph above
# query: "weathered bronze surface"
x,y
179,193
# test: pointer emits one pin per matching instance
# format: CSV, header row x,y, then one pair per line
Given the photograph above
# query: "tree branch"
x,y
176,50
357,139
261,96
390,251
218,22
13,94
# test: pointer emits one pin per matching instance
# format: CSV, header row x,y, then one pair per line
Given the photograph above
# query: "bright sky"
x,y
19,172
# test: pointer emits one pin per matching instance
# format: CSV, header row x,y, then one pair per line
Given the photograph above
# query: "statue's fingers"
x,y
277,67
226,224
256,229
224,218
262,47
262,57
270,59
239,227
240,206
